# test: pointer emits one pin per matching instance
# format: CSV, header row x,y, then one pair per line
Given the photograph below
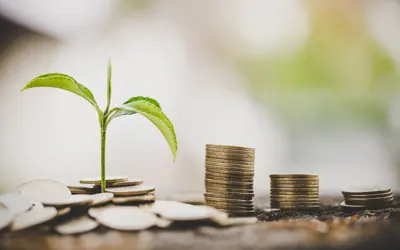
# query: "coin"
x,y
229,203
228,178
101,198
73,200
236,158
63,211
365,191
33,218
84,188
227,174
188,198
6,217
295,189
229,171
230,183
243,163
108,179
229,196
293,176
219,189
296,200
132,199
367,202
45,191
350,208
16,203
231,155
294,182
129,182
368,195
94,212
130,190
185,212
77,225
229,147
294,186
293,203
78,191
127,218
294,196
296,207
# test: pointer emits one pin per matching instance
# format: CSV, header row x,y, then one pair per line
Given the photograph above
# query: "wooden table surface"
x,y
303,231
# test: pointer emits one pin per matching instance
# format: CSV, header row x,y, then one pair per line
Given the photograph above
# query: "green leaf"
x,y
65,82
119,112
146,107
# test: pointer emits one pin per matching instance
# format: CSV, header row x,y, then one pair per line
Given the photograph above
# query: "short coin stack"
x,y
294,191
229,179
125,190
367,198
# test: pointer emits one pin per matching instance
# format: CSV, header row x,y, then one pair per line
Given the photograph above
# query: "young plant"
x,y
145,106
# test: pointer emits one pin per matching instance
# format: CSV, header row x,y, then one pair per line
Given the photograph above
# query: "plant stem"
x,y
103,128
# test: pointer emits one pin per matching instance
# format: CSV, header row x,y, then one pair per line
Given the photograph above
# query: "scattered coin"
x,y
73,200
101,198
127,218
33,218
129,182
109,180
130,190
6,217
83,189
77,225
45,191
189,198
163,223
150,197
16,203
185,212
94,212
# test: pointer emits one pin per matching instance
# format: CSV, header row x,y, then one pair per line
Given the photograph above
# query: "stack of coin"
x,y
367,198
294,191
229,179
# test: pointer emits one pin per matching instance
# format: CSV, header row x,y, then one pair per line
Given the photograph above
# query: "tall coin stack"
x,y
229,179
367,198
294,191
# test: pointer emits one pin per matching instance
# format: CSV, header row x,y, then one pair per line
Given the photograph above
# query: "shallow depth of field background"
x,y
312,85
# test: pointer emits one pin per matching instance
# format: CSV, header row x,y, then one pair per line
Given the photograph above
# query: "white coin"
x,y
129,182
94,212
109,179
127,218
45,191
37,205
73,200
77,225
130,190
163,223
16,203
33,218
177,211
131,199
101,198
6,217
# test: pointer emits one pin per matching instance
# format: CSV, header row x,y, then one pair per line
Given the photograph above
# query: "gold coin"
x,y
230,156
309,193
228,152
213,163
129,182
285,202
244,206
241,164
365,191
295,189
227,208
294,176
130,190
228,177
226,200
233,183
228,171
294,182
109,179
286,199
295,196
290,186
229,196
218,189
366,196
229,147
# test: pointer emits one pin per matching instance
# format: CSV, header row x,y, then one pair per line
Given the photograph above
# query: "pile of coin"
x,y
229,173
367,198
125,189
50,204
294,191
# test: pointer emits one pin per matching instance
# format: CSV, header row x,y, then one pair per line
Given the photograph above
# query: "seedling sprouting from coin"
x,y
145,106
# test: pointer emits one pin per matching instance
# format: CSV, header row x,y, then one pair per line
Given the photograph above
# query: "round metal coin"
x,y
77,225
109,180
130,190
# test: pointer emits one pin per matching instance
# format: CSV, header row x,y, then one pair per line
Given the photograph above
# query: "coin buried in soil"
x,y
109,179
127,218
130,190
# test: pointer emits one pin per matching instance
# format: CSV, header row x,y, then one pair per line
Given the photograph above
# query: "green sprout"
x,y
144,106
